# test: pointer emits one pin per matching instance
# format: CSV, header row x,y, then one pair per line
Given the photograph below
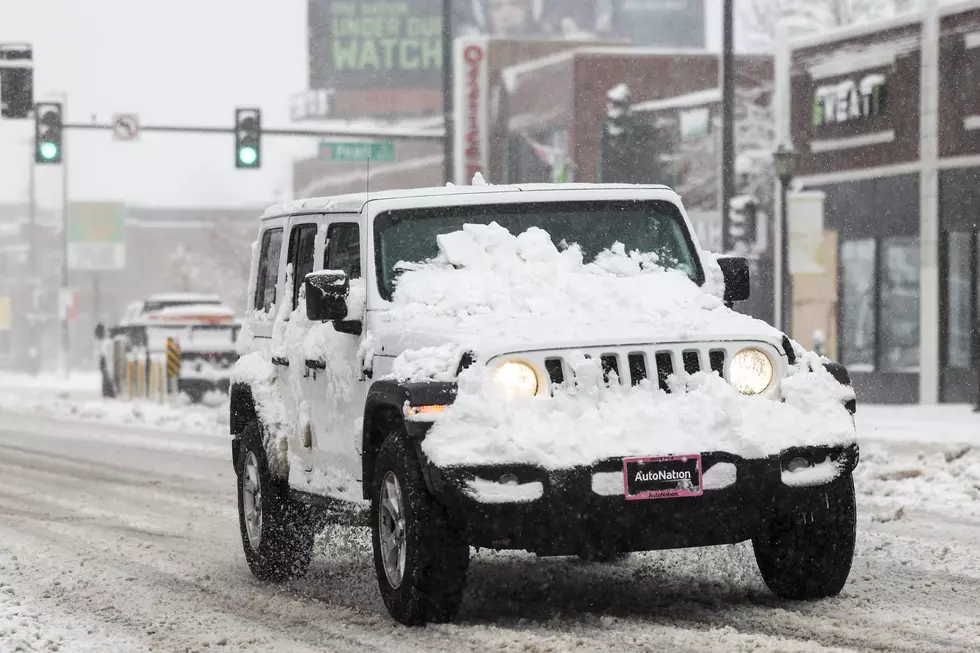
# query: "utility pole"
x,y
63,294
447,89
727,123
32,266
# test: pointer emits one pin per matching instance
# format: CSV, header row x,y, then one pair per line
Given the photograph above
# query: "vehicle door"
x,y
336,385
290,334
264,286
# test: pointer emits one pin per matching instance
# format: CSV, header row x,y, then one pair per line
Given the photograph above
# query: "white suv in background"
x,y
555,368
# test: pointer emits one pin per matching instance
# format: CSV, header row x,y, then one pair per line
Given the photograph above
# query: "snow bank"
x,y
57,402
487,283
584,425
50,381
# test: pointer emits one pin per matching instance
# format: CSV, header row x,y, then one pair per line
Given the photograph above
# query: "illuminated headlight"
x,y
517,377
750,371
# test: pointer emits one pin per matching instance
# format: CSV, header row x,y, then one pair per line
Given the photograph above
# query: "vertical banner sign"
x,y
96,236
6,313
471,103
806,231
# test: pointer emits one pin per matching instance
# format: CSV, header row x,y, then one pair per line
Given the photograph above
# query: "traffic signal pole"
x,y
395,132
63,310
727,123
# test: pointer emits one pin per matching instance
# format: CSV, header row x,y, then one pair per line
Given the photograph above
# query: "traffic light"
x,y
248,138
16,81
741,228
47,133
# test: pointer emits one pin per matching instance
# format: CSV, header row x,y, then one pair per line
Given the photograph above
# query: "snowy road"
x,y
124,537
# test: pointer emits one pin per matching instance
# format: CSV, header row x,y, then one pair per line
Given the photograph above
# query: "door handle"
x,y
316,364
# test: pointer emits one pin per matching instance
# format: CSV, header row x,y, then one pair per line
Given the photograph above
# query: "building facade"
x,y
886,120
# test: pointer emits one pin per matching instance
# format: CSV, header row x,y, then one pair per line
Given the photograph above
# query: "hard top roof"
x,y
353,203
183,298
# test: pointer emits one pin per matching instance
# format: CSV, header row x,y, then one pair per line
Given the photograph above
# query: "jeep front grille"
x,y
633,365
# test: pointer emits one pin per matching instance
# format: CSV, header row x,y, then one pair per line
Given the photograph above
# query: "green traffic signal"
x,y
49,151
247,155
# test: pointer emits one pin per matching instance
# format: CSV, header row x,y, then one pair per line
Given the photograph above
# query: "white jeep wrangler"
x,y
555,368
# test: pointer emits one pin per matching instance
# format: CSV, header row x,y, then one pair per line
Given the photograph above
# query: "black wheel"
x,y
808,555
196,395
108,387
277,533
420,560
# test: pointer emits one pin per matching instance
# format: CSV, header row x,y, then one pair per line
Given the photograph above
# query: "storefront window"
x,y
857,261
959,300
899,319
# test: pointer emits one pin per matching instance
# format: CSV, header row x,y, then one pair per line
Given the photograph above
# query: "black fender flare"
x,y
385,408
241,411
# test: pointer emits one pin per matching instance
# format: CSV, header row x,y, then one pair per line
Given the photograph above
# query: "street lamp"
x,y
785,161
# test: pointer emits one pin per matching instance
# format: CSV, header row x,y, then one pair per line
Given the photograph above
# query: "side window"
x,y
343,251
301,255
268,272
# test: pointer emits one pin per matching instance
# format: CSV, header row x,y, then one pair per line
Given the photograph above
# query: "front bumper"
x,y
572,517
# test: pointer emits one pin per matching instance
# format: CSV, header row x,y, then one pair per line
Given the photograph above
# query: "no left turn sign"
x,y
125,126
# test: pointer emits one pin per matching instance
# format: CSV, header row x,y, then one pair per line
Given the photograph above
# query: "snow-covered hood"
x,y
493,293
539,334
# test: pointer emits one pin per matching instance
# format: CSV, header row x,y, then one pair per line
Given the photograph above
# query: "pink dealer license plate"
x,y
666,477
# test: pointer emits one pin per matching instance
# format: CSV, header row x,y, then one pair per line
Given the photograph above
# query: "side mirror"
x,y
99,331
326,295
736,272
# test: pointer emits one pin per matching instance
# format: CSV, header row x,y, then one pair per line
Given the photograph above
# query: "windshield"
x,y
656,227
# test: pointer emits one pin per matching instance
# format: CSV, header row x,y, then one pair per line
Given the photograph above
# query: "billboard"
x,y
661,23
364,44
397,44
96,236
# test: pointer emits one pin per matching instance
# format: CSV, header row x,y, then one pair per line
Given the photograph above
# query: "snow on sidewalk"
x,y
919,458
77,397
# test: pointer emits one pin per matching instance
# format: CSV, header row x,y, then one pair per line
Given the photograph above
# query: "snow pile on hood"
x,y
489,282
586,424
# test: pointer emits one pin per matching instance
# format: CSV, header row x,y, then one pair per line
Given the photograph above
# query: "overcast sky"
x,y
175,62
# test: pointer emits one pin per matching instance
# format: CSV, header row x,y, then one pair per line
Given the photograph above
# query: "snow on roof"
x,y
833,35
184,297
510,74
353,203
191,313
686,101
210,310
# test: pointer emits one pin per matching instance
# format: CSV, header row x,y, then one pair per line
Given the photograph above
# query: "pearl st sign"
x,y
849,100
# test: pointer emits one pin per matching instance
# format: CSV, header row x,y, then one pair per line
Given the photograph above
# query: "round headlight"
x,y
517,377
750,371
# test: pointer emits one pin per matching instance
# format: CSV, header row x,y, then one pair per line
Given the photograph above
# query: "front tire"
x,y
419,558
808,555
277,533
